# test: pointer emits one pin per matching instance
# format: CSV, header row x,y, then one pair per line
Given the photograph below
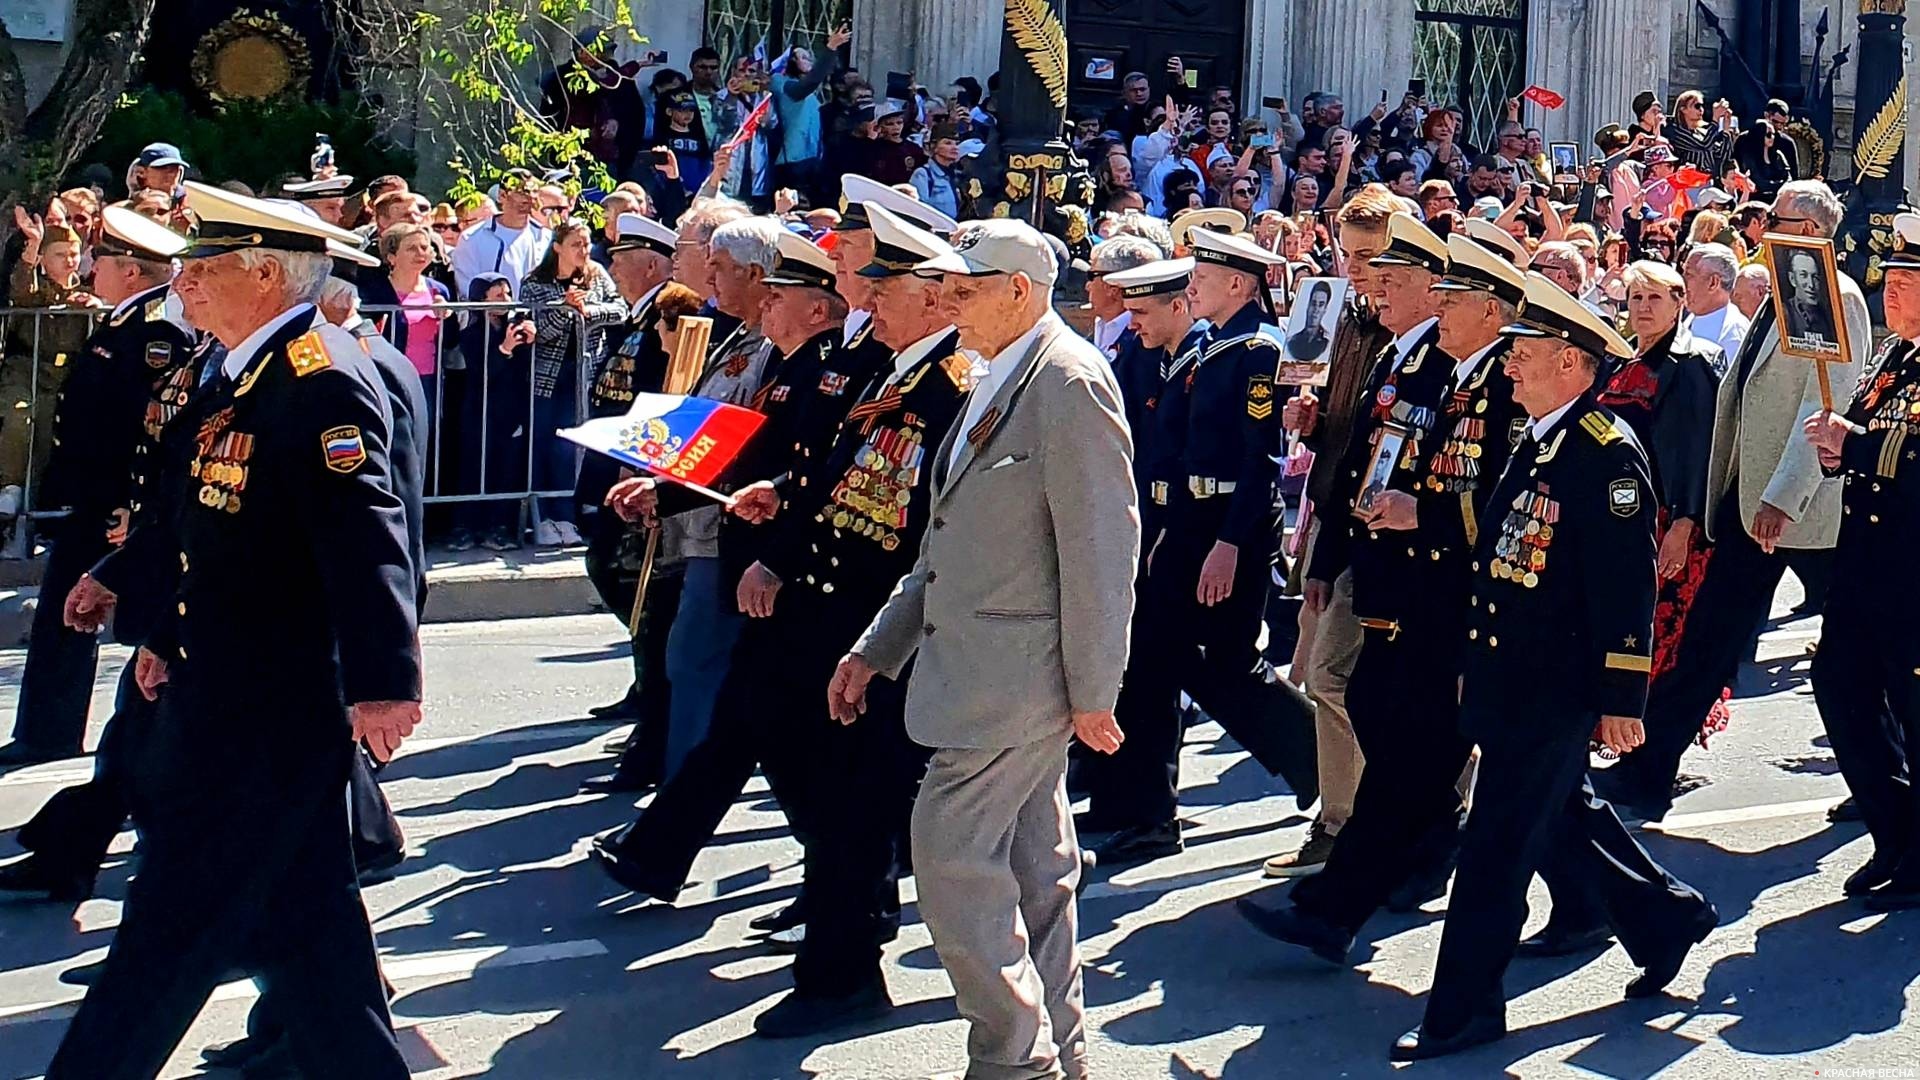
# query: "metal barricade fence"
x,y
41,347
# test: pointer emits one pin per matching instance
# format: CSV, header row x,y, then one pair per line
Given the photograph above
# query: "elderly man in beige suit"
x,y
1017,610
1768,497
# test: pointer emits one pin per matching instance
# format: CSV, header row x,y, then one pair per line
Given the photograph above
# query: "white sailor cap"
x,y
130,235
800,263
1234,252
331,187
899,246
232,222
1497,240
1474,266
1550,311
640,231
1411,243
1152,279
1220,219
1905,238
857,191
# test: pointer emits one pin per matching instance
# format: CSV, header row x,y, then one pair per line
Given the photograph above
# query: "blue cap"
x,y
159,155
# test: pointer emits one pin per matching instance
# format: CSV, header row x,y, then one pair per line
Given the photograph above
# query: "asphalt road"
x,y
515,958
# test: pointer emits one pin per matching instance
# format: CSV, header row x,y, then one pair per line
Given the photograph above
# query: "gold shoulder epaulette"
x,y
959,369
157,309
308,354
1601,428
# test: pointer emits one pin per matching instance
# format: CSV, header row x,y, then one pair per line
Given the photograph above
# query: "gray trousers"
x,y
1332,646
992,837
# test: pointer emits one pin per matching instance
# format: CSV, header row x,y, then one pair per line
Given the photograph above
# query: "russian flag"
x,y
688,439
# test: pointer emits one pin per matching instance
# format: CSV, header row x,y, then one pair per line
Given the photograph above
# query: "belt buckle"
x,y
1158,490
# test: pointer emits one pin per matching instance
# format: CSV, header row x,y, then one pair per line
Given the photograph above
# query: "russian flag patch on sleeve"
x,y
345,451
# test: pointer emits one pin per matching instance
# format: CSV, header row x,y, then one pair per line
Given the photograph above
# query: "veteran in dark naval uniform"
x,y
1866,676
1209,571
1411,582
96,427
102,435
842,531
640,261
1558,642
853,251
286,481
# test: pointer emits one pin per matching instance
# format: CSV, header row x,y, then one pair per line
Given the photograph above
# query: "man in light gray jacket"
x,y
1018,610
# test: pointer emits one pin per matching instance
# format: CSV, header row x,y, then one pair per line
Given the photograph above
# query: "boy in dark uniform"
x,y
1558,643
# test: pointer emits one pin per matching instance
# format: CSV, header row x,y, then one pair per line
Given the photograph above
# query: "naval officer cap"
x,y
899,246
1220,219
1473,267
1552,312
1160,278
331,187
1233,252
127,235
638,231
232,222
858,192
1905,236
799,263
1411,243
1497,240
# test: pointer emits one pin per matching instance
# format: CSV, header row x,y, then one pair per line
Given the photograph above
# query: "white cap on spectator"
x,y
1713,196
998,246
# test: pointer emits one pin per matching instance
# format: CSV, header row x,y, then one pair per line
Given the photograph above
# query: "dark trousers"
x,y
286,905
72,831
1726,616
1402,700
1865,682
56,686
1209,652
1533,811
605,563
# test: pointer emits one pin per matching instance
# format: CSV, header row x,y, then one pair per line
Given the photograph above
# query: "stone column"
x,y
1353,48
1629,46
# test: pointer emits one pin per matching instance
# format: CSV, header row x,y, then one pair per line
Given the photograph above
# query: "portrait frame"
x,y
1811,328
1386,456
1566,159
1307,350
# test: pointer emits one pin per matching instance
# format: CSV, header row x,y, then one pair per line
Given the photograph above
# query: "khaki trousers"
x,y
1329,644
996,861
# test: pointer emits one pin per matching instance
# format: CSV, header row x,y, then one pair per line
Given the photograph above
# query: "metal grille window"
x,y
736,27
1472,53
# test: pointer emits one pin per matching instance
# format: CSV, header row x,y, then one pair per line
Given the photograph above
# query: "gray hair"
x,y
337,291
750,241
1124,253
1752,271
1812,200
1718,260
305,272
1565,256
1146,227
708,214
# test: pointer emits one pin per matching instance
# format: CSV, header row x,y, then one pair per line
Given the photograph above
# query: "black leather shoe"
x,y
627,875
1664,967
1417,1045
1139,844
616,783
33,878
775,921
1894,898
1844,810
239,1053
1289,924
627,708
800,1014
1875,873
19,753
1563,941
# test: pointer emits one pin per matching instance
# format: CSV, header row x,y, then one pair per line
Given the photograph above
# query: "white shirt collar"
x,y
1542,427
1403,344
1465,369
989,385
856,320
241,355
645,298
1106,332
914,353
1712,320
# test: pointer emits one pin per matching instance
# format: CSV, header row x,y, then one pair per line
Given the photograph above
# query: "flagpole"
x,y
683,372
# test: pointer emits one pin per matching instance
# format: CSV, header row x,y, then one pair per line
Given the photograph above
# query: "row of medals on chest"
x,y
220,465
1520,555
880,488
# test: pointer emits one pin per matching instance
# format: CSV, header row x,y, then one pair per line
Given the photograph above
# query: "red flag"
x,y
1544,97
1690,177
751,123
